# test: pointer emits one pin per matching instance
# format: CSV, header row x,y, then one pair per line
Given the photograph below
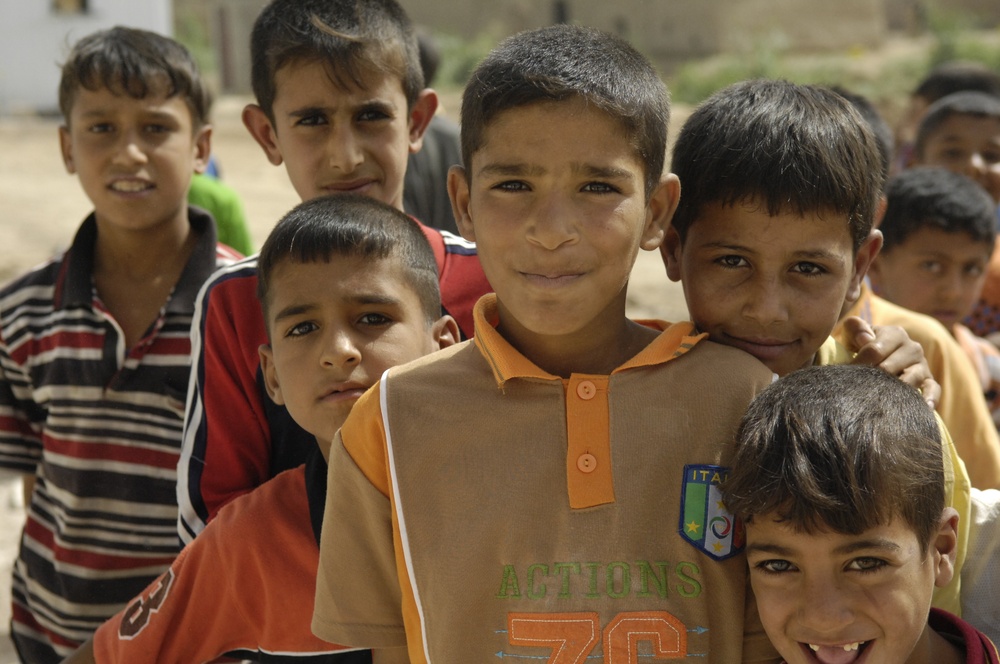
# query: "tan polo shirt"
x,y
479,507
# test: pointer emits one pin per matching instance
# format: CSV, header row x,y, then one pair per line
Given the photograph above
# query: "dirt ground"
x,y
42,206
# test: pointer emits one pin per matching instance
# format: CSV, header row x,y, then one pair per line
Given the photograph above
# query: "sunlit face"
x,y
134,157
555,201
968,145
830,598
335,140
335,328
933,272
771,286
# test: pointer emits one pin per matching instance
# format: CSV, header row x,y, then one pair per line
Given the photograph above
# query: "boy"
x,y
837,477
961,132
521,520
340,101
349,288
768,264
94,345
939,233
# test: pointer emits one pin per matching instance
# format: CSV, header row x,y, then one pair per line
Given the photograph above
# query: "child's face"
x,y
968,145
335,140
134,157
933,272
335,328
555,202
772,286
827,597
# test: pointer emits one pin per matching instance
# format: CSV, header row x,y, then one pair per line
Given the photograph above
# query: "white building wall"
x,y
34,40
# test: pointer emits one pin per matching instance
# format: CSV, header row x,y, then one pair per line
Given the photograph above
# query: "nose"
x,y
764,301
129,150
340,350
553,223
825,607
344,150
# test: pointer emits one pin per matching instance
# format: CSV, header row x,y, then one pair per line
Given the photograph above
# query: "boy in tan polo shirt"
x,y
564,504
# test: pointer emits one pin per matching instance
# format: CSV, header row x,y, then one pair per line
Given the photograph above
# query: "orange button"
x,y
586,390
587,463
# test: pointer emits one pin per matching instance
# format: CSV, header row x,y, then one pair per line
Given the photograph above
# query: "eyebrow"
x,y
313,109
590,170
807,253
876,543
364,299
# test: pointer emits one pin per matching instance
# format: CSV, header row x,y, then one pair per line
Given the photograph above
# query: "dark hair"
x,y
564,62
430,56
136,63
840,447
878,125
935,197
352,37
789,148
956,76
975,104
323,228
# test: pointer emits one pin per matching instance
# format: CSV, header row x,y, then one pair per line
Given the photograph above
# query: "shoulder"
x,y
237,278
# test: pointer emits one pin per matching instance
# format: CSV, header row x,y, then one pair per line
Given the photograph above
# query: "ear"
x,y
421,113
880,209
445,333
458,192
944,547
863,258
670,252
66,147
660,210
202,148
260,127
267,368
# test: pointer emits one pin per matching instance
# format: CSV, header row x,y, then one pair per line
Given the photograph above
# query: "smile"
x,y
839,654
130,186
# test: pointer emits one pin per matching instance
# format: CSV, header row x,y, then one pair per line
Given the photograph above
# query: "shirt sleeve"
x,y
358,596
226,448
20,417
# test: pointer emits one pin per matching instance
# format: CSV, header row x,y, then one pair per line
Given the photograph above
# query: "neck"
x,y
144,253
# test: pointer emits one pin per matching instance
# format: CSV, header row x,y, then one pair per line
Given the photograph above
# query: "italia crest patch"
x,y
705,521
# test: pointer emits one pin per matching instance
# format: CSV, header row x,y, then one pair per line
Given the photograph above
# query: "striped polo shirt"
x,y
100,424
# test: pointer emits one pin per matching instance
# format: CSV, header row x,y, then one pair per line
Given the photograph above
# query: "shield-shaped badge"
x,y
705,521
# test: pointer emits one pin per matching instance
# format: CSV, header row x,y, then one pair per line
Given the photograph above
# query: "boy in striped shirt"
x,y
94,345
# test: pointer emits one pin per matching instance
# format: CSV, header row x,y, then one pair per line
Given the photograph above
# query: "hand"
x,y
890,348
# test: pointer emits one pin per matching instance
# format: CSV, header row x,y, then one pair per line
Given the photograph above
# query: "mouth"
x,y
846,653
762,348
359,186
130,186
551,279
346,392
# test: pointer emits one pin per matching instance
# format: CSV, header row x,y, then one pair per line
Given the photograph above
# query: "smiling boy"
x,y
538,515
837,475
94,344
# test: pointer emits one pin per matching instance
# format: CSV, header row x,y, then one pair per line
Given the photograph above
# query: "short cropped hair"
x,y
840,447
933,197
136,63
350,225
957,76
787,147
563,62
352,37
973,104
883,132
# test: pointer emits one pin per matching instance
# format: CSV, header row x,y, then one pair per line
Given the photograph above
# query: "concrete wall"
x,y
34,40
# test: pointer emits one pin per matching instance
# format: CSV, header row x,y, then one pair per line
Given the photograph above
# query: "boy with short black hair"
x,y
768,264
341,102
522,520
94,345
349,288
837,476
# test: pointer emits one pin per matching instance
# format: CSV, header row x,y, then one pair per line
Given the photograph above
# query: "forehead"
x,y
103,101
963,126
749,226
955,244
770,533
570,131
343,279
300,80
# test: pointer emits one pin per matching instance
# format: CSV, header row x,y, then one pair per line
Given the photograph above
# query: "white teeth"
x,y
124,185
849,647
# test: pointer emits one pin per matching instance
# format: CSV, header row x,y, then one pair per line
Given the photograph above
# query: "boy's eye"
x,y
99,128
373,114
974,270
933,267
157,128
374,320
731,261
808,269
991,156
511,185
866,564
302,329
776,566
600,188
311,120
